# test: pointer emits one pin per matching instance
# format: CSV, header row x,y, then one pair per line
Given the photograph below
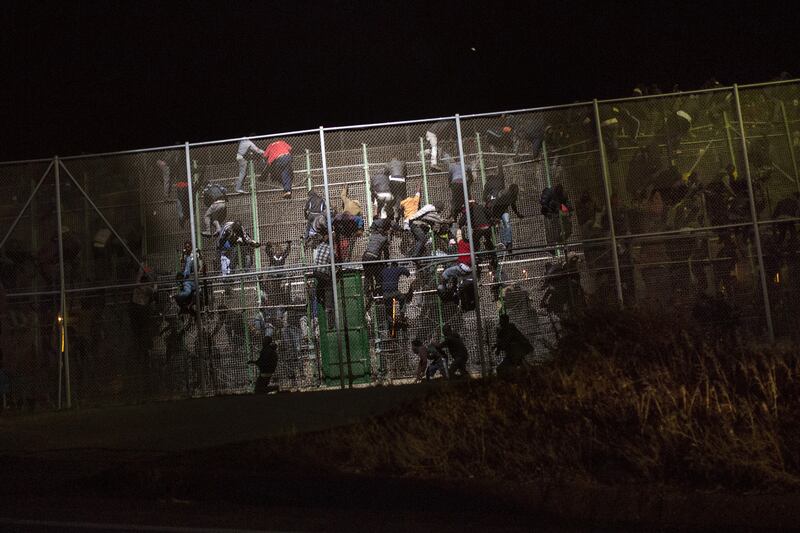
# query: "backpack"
x,y
213,192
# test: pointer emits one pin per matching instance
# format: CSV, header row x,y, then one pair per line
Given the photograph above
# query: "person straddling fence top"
x,y
458,351
279,166
397,172
245,147
315,206
231,234
464,264
215,198
350,205
381,191
456,178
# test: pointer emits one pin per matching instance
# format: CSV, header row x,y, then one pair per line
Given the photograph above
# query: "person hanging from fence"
x,y
350,205
185,298
536,131
315,207
455,346
246,146
232,234
409,206
266,363
452,275
419,349
499,205
787,208
321,275
274,289
501,138
614,120
677,125
380,188
377,249
393,300
142,307
556,208
346,229
456,177
513,345
170,164
398,173
437,132
279,166
481,228
421,223
215,197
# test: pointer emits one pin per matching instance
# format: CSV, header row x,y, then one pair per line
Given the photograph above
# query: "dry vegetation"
x,y
628,398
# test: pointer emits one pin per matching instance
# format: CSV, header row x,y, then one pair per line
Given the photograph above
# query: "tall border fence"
x,y
350,256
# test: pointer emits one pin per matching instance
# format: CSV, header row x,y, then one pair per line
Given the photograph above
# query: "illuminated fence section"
x,y
337,257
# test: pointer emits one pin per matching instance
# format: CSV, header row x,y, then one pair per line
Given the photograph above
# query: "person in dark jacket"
x,y
556,208
376,250
456,179
501,138
458,351
380,188
613,120
315,206
186,281
216,201
512,343
266,363
231,234
390,285
481,225
396,170
499,207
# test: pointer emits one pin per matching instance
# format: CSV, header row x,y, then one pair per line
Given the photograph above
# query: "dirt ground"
x,y
180,464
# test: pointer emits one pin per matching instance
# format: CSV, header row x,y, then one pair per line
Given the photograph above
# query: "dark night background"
x,y
93,77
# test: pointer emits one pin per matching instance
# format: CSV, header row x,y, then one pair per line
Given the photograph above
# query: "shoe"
x,y
436,168
256,244
206,233
242,191
287,195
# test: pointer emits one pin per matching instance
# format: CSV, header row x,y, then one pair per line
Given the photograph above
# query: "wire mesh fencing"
x,y
392,253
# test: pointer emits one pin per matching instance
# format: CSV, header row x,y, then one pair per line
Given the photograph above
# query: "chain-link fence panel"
x,y
31,365
771,115
398,194
539,203
681,206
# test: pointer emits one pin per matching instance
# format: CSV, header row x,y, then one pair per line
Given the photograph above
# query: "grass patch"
x,y
629,397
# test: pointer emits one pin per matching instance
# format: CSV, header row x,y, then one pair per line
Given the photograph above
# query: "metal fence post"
x,y
754,214
607,190
336,315
476,284
367,185
195,258
254,210
64,315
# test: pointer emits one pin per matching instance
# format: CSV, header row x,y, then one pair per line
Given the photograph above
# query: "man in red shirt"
x,y
464,264
279,166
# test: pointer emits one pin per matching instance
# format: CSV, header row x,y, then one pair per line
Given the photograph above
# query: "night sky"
x,y
86,77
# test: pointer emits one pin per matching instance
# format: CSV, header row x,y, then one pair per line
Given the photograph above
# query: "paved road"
x,y
198,423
